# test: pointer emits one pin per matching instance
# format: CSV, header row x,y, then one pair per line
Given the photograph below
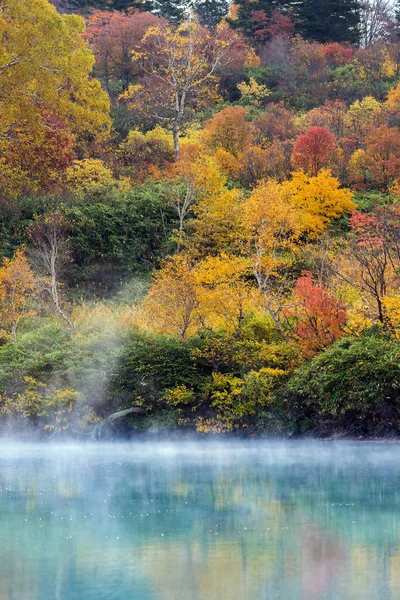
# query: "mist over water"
x,y
200,520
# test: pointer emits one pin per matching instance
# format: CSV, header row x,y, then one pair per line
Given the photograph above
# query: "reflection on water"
x,y
153,521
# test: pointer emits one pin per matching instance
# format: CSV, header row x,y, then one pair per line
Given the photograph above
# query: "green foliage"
x,y
352,387
320,20
329,20
371,201
152,364
61,360
122,235
36,354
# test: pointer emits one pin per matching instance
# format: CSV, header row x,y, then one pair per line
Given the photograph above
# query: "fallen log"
x,y
110,420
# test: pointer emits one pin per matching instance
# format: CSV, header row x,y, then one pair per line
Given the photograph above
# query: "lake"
x,y
200,521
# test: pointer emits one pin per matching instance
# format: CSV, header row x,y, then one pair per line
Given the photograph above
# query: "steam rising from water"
x,y
196,520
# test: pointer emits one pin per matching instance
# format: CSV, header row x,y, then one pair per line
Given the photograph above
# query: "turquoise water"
x,y
180,521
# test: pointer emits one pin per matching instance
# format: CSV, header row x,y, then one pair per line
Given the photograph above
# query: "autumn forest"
x,y
200,217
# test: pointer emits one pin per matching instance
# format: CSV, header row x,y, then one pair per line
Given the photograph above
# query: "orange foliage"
x,y
229,130
337,55
17,285
383,154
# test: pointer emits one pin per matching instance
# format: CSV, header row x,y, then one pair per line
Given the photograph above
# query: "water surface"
x,y
183,521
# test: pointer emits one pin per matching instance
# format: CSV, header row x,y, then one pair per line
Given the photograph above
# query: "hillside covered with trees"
x,y
200,216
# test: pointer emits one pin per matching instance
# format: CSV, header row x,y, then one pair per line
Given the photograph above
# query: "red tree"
x,y
314,150
113,35
267,27
321,317
337,55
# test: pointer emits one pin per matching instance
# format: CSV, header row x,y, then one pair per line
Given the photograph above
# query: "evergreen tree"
x,y
320,20
87,5
396,23
173,10
329,20
211,12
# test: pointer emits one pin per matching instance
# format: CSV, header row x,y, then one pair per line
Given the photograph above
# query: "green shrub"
x,y
152,364
353,386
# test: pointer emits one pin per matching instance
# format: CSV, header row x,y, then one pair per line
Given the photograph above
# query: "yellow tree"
x,y
272,231
90,173
45,68
17,287
217,227
277,218
317,200
225,292
179,71
170,306
363,116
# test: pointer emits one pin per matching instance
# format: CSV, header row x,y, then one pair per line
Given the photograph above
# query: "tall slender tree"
x,y
329,20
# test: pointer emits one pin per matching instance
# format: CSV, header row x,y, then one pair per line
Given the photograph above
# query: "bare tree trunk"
x,y
175,133
48,254
56,300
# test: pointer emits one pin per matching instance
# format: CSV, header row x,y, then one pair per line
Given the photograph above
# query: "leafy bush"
x,y
152,364
353,386
125,234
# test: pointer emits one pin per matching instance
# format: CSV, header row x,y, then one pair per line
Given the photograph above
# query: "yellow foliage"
x,y
147,154
45,69
229,164
54,406
207,177
252,60
218,226
90,173
271,223
363,115
179,395
180,64
224,291
317,200
99,317
392,307
170,306
389,68
393,99
358,166
253,93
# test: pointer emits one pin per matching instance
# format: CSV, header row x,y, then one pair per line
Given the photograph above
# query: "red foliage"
x,y
314,150
113,36
44,153
321,317
368,229
277,25
337,55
